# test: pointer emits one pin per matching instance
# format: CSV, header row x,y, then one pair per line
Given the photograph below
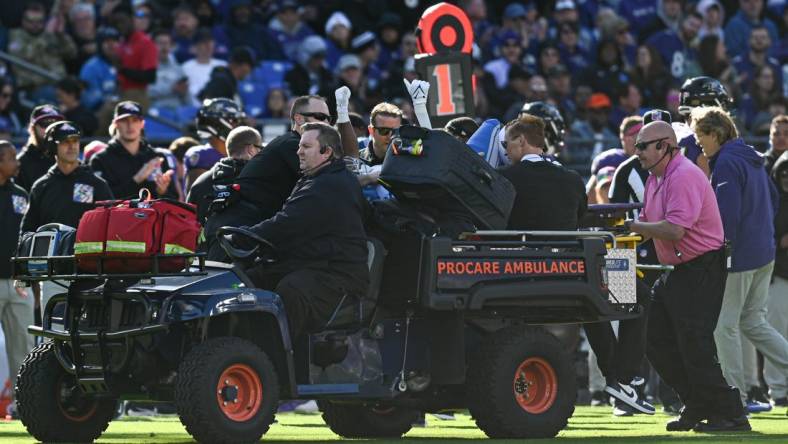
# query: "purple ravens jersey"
x,y
201,157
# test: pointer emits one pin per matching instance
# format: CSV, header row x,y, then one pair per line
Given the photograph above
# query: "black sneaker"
x,y
681,424
781,402
740,424
757,394
628,395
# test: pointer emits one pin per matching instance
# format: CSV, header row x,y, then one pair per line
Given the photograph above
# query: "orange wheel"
x,y
535,385
239,392
72,404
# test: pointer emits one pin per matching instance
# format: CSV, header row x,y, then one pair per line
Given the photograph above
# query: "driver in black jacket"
x,y
318,236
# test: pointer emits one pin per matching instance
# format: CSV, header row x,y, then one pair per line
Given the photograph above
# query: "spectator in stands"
x,y
243,29
288,29
714,62
628,102
595,128
497,71
548,58
137,59
310,74
668,17
143,17
349,74
650,76
185,25
48,48
607,75
640,14
388,28
69,92
566,13
366,47
573,56
338,29
738,28
99,73
674,46
130,163
275,104
758,55
763,89
777,311
747,201
778,142
198,70
9,114
34,161
224,79
517,91
171,89
82,29
713,14
16,303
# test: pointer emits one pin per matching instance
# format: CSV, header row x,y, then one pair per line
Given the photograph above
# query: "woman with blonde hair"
x,y
747,200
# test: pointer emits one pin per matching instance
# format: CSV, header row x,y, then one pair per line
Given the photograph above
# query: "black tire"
x,y
503,369
364,421
210,372
51,406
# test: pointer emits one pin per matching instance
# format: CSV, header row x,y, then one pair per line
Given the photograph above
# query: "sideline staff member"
x,y
319,236
682,217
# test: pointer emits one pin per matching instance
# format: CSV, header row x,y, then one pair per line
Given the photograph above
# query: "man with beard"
x,y
757,56
34,160
130,163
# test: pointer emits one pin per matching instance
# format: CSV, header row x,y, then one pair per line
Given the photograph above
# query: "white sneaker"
x,y
629,396
307,408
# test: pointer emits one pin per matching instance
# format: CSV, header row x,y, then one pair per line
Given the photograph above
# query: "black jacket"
x,y
57,198
321,226
117,166
221,84
223,172
549,196
33,163
268,178
781,219
13,204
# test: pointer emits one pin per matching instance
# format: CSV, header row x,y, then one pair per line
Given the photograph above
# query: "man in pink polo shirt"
x,y
682,217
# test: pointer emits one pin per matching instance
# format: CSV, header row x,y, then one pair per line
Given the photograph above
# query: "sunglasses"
x,y
642,146
318,116
383,131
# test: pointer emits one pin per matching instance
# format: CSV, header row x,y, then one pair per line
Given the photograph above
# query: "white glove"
x,y
343,98
419,90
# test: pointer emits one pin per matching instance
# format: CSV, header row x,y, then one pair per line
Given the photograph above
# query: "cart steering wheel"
x,y
224,235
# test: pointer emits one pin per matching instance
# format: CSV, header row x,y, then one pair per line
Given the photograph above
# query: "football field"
x,y
589,425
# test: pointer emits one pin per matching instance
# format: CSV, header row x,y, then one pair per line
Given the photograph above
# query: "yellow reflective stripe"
x,y
176,249
88,247
126,247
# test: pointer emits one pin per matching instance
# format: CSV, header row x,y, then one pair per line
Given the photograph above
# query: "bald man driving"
x,y
682,217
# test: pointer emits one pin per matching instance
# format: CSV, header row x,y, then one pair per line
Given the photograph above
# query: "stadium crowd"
x,y
120,69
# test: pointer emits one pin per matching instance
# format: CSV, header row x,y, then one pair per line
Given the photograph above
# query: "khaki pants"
x,y
778,318
744,313
16,314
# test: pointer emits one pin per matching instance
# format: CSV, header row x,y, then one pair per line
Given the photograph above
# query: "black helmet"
x,y
700,91
59,132
217,117
554,126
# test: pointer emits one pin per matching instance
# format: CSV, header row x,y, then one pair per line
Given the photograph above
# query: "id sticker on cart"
x,y
620,264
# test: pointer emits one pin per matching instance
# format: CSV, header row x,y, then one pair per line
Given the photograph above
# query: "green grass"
x,y
589,425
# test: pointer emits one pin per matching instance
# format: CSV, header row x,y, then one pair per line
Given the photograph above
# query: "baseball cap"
x,y
126,109
598,101
286,4
362,41
563,5
348,61
655,115
337,19
46,111
514,10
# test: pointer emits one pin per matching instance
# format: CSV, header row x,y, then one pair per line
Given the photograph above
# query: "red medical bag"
x,y
129,233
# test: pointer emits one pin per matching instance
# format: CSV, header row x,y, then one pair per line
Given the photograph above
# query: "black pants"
x,y
681,344
310,297
621,359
